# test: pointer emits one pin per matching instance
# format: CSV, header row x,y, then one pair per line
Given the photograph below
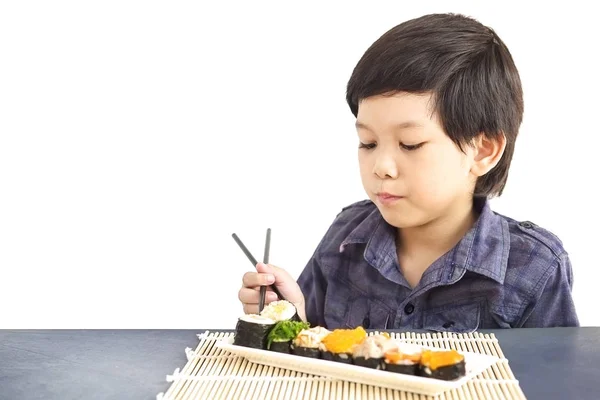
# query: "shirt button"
x,y
526,224
448,324
366,322
409,308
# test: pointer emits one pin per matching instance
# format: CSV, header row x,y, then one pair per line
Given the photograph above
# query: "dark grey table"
x,y
554,363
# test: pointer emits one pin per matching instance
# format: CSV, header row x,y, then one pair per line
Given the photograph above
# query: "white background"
x,y
135,138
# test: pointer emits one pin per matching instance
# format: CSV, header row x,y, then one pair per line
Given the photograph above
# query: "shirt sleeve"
x,y
313,286
554,305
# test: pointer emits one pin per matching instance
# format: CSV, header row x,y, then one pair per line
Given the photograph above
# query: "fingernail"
x,y
271,296
270,278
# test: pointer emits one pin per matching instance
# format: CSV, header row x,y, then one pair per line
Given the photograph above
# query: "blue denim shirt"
x,y
502,274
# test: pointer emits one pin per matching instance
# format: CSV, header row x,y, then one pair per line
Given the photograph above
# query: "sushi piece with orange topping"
x,y
404,359
446,365
339,344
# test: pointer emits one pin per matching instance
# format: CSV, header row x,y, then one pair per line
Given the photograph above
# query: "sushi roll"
x,y
282,346
403,359
281,310
369,353
252,330
282,334
445,365
308,341
339,344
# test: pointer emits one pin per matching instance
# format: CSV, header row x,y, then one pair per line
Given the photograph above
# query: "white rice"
x,y
280,310
257,319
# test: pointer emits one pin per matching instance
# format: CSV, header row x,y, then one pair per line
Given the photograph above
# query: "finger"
x,y
285,284
266,268
252,295
248,296
270,296
250,308
253,279
279,273
257,289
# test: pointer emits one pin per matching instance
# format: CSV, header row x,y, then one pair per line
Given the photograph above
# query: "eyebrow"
x,y
403,125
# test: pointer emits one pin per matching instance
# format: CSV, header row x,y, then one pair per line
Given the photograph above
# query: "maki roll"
x,y
308,341
339,344
280,337
281,310
252,330
369,353
404,359
445,365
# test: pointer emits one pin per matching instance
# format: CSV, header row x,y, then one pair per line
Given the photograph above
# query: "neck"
x,y
440,235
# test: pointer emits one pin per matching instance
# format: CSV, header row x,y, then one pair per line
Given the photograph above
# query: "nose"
x,y
385,166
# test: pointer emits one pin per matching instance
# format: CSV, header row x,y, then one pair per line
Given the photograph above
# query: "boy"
x,y
438,105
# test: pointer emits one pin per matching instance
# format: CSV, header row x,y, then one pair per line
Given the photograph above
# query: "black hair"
x,y
465,65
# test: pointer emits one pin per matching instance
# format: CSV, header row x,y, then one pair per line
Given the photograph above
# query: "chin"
x,y
401,219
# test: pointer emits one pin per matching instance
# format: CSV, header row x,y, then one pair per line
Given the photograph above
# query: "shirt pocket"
x,y
368,313
336,306
459,318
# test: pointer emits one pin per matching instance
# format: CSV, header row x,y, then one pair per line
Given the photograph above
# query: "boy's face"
x,y
409,167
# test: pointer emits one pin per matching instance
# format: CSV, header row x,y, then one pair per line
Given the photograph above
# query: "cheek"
x,y
365,165
440,177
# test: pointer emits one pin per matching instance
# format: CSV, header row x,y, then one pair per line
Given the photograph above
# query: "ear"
x,y
487,153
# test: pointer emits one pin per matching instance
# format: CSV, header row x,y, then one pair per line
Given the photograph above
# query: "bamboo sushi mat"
x,y
213,373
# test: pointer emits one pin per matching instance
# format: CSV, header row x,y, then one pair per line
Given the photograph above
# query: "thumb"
x,y
283,281
281,276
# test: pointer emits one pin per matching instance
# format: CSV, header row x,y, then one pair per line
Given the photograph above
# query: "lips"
x,y
388,198
387,195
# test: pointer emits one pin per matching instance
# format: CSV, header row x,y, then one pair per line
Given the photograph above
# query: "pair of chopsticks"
x,y
263,289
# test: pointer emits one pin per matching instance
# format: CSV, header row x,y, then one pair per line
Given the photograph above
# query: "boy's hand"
x,y
268,274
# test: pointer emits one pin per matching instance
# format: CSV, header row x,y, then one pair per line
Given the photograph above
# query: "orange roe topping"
x,y
343,340
437,359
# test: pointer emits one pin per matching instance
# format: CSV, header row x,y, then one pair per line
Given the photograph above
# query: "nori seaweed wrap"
x,y
309,352
374,363
403,367
326,355
308,342
252,331
344,358
280,346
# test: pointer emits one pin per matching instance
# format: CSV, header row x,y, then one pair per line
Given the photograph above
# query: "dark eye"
x,y
411,147
367,146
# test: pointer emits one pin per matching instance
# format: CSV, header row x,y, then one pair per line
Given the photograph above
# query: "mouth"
x,y
388,198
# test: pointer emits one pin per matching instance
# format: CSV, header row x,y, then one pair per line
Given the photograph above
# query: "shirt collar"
x,y
483,250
